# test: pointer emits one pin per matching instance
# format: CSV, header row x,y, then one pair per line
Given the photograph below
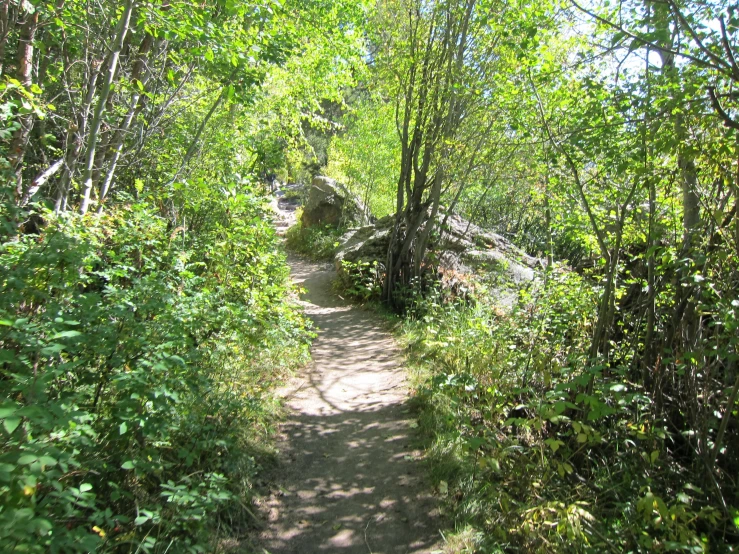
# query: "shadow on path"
x,y
349,479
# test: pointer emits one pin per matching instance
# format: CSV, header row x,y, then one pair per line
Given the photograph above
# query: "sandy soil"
x,y
348,479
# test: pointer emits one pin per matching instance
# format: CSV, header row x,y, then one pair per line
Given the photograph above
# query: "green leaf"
x,y
11,424
127,465
40,526
122,428
27,459
66,334
85,487
47,461
8,410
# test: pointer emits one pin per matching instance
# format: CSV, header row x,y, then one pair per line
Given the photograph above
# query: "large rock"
x,y
365,244
467,248
462,248
331,203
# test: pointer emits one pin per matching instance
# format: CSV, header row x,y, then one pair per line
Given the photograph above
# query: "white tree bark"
x,y
122,31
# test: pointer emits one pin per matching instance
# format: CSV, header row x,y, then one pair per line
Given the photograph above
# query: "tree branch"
x,y
728,121
40,181
657,47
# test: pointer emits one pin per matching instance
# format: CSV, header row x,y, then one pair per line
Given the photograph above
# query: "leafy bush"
x,y
317,243
137,363
361,280
540,451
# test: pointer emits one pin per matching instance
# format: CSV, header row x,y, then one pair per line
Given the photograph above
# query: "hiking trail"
x,y
348,478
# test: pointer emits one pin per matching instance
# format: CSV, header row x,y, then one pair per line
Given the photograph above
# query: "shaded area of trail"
x,y
348,479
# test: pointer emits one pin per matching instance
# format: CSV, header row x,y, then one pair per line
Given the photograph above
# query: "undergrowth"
x,y
532,449
137,368
317,243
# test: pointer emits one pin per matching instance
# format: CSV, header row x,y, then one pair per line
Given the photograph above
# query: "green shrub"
x,y
317,243
361,281
536,449
137,364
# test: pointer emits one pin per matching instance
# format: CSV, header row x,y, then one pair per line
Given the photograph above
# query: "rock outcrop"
x,y
460,248
331,203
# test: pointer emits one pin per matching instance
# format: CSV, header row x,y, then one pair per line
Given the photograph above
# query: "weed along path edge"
x,y
348,478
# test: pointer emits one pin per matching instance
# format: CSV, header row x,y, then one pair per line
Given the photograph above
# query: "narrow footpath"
x,y
349,478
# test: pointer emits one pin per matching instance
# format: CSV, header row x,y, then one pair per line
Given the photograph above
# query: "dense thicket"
x,y
600,413
143,310
144,304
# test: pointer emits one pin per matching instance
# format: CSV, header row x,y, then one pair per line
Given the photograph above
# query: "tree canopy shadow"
x,y
348,478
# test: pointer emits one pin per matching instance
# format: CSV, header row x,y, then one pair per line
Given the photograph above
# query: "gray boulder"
x,y
365,244
461,248
467,248
331,203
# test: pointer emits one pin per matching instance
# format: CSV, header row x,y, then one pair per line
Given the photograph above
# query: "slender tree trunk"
x,y
137,105
724,421
548,230
650,356
403,178
691,221
608,302
19,142
40,181
193,148
75,140
736,203
117,147
602,322
423,240
4,30
685,312
121,33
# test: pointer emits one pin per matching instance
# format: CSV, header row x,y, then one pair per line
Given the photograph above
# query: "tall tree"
x,y
426,51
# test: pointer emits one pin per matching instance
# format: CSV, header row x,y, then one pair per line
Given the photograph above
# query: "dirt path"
x,y
349,480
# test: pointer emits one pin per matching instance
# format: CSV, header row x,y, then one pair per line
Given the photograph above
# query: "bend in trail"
x,y
349,480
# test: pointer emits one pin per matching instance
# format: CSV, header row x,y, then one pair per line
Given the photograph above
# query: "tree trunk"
x,y
137,105
40,181
75,140
684,303
121,33
650,356
19,143
548,224
736,203
193,148
4,30
117,148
